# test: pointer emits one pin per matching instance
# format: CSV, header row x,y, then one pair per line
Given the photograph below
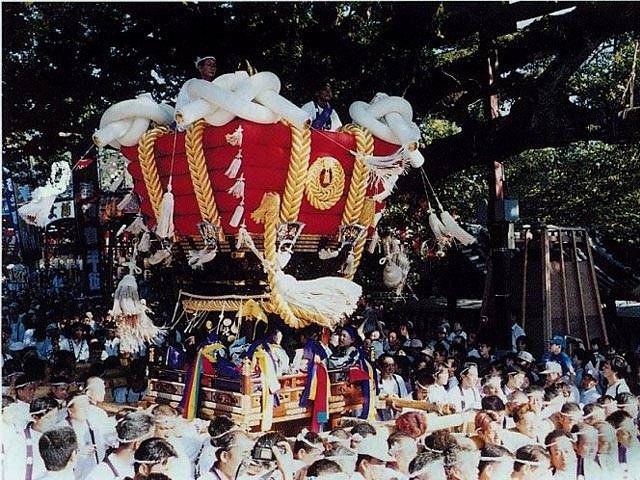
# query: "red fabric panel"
x,y
265,164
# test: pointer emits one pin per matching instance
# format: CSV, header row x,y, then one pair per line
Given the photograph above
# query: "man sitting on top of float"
x,y
207,68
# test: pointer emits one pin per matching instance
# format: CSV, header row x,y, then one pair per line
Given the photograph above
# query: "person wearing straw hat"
x,y
131,431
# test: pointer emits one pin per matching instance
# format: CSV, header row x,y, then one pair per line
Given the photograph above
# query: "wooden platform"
x,y
241,398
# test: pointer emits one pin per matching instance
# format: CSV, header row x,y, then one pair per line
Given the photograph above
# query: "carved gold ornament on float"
x,y
325,183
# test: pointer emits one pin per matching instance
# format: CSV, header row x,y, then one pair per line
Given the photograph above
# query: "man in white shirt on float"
x,y
323,116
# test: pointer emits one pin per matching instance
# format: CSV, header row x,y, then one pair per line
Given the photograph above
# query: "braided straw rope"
x,y
354,209
324,197
295,317
359,177
146,157
297,175
200,175
267,213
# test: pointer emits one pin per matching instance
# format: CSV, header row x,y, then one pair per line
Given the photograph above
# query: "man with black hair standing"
x,y
615,370
59,451
156,455
233,448
131,431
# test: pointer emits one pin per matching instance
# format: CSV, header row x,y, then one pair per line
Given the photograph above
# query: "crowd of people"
x,y
571,413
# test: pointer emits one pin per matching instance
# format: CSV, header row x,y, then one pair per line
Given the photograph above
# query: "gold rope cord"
x,y
323,194
354,208
146,157
359,177
297,175
200,175
267,213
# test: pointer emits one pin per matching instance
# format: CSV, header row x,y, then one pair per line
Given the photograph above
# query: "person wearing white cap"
x,y
553,372
373,455
206,67
590,393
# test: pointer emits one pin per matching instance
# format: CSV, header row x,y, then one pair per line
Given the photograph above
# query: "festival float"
x,y
238,172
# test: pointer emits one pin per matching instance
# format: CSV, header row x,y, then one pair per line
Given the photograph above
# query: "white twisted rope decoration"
x,y
255,98
390,119
125,122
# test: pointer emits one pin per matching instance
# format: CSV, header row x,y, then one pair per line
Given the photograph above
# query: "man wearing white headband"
x,y
25,389
156,455
131,431
427,466
403,448
232,449
90,438
531,463
207,68
587,450
22,454
563,457
496,463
